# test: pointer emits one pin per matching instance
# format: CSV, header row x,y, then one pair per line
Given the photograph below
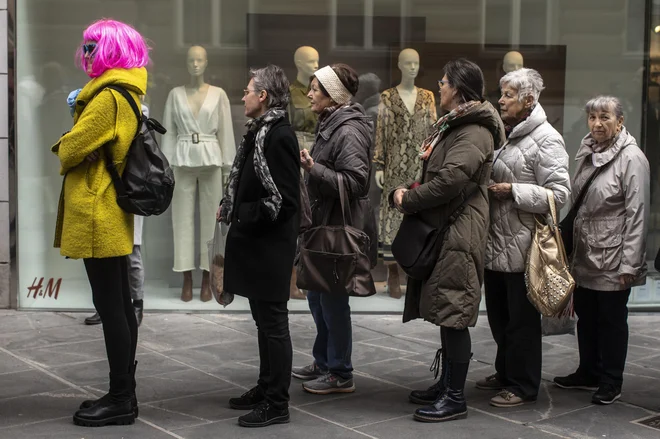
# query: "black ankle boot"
x,y
430,395
114,408
90,402
451,404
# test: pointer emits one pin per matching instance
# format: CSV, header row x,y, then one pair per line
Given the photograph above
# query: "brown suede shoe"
x,y
186,291
206,294
506,399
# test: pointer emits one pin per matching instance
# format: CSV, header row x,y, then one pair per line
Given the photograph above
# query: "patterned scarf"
x,y
442,124
273,202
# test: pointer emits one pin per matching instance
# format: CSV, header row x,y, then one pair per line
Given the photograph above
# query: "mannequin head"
x,y
197,61
306,59
512,61
409,64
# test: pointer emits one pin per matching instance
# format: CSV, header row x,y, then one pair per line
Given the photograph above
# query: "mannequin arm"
x,y
226,132
169,138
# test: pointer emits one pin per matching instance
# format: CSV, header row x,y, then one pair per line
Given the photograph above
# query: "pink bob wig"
x,y
118,46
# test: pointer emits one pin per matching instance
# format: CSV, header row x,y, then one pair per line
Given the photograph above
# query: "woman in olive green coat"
x,y
457,163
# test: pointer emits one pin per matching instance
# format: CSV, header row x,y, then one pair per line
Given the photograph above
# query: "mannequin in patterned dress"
x,y
406,114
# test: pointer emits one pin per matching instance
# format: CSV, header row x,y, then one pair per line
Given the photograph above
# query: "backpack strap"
x,y
110,166
131,101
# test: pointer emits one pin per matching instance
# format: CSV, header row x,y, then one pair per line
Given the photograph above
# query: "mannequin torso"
x,y
196,97
408,96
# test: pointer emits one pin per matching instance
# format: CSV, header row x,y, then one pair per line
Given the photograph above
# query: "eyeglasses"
x,y
442,82
88,48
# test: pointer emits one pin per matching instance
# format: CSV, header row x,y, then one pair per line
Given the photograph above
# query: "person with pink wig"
x,y
90,224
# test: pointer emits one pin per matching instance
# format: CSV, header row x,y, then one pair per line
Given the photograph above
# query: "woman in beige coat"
x,y
456,168
609,254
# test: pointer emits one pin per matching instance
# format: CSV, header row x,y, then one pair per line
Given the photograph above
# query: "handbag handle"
x,y
555,225
343,196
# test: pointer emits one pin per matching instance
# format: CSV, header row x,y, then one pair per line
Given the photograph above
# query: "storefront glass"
x,y
580,48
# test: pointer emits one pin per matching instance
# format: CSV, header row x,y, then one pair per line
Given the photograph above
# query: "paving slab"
x,y
191,364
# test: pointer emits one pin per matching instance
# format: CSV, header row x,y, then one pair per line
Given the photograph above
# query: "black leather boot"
x,y
451,404
90,402
115,408
430,395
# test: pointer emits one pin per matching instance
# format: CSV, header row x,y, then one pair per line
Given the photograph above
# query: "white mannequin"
x,y
200,147
512,61
409,67
303,119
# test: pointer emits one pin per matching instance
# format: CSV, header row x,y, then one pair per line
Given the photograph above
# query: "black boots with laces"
x,y
451,404
430,395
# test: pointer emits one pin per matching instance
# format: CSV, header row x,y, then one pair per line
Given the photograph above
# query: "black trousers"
x,y
275,350
457,344
111,294
602,331
516,328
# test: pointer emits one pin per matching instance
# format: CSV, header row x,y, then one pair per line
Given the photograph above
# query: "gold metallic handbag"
x,y
547,277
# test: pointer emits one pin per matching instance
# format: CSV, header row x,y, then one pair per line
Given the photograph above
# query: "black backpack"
x,y
147,184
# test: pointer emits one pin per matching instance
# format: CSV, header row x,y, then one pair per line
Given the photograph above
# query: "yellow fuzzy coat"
x,y
90,224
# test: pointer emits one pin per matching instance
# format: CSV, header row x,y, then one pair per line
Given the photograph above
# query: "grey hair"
x,y
528,82
273,81
604,103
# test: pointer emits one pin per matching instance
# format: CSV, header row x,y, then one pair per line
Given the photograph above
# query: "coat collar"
x,y
536,118
132,79
602,158
341,116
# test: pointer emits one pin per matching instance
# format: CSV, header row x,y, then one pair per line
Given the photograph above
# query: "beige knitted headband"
x,y
333,85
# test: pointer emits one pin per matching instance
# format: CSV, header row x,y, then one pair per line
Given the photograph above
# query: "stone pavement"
x,y
189,365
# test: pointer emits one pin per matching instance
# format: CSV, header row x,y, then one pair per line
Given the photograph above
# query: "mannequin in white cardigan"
x,y
200,147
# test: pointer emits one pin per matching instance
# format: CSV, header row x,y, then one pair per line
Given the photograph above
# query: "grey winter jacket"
x,y
532,159
344,144
610,228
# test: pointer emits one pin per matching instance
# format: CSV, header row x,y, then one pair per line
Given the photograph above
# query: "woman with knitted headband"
x,y
342,146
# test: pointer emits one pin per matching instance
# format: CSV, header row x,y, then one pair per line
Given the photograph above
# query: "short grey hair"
x,y
604,103
273,81
528,82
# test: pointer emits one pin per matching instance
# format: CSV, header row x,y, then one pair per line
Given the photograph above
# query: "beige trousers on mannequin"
x,y
209,180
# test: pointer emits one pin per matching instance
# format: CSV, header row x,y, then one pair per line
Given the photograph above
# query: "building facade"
x,y
581,48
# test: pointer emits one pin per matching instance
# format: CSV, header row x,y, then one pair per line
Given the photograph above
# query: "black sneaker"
x,y
606,394
307,373
576,381
249,400
264,415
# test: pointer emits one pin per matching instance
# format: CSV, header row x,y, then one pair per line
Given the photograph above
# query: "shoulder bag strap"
x,y
590,180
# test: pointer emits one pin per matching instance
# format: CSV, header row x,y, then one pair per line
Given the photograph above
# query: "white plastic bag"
x,y
561,324
217,264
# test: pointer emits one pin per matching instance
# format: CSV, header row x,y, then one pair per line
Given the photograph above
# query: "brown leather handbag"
x,y
334,259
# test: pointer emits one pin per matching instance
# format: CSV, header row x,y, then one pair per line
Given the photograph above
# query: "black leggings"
x,y
108,278
457,344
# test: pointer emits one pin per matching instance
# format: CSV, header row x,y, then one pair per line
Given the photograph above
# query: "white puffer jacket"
x,y
533,158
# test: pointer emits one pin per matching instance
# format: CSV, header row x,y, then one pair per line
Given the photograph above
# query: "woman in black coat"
x,y
262,205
